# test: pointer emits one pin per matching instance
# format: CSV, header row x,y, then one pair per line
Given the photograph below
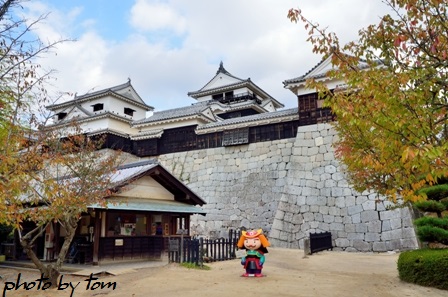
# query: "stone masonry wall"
x,y
289,188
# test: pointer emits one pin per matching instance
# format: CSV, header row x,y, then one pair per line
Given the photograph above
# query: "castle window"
x,y
98,107
229,94
235,137
129,111
61,115
217,96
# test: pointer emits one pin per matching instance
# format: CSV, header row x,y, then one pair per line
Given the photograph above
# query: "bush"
x,y
425,267
432,234
431,206
436,192
431,221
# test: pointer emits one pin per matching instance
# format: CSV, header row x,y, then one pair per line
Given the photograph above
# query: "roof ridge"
x,y
221,69
138,164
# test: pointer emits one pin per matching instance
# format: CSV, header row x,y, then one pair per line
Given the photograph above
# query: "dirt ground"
x,y
287,272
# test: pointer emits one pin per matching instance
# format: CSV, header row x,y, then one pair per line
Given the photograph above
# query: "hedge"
x,y
425,267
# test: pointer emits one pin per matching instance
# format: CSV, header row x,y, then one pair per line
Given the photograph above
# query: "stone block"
x,y
343,183
314,225
318,141
314,208
304,208
390,214
328,157
372,237
407,222
369,215
342,242
356,209
409,243
350,228
324,226
351,250
386,226
339,176
356,218
324,191
336,191
362,246
297,218
328,218
277,224
305,227
337,226
379,247
318,217
338,219
331,201
350,201
408,233
288,217
334,211
340,201
393,245
374,226
361,228
395,223
322,150
330,169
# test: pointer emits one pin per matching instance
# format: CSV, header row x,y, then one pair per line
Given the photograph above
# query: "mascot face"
x,y
252,243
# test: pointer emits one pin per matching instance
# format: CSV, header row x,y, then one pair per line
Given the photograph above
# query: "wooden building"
x,y
148,206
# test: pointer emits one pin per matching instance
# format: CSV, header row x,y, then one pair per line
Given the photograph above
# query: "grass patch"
x,y
194,266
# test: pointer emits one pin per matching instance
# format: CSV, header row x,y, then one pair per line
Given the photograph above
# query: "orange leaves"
x,y
399,39
391,116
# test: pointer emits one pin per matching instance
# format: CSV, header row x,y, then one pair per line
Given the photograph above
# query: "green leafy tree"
x,y
392,113
45,176
433,226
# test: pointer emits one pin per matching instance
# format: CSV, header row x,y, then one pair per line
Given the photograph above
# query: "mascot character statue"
x,y
256,245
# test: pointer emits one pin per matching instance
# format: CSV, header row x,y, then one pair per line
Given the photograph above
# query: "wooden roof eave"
x,y
168,181
88,119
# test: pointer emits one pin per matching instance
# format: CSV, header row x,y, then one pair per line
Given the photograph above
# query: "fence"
x,y
320,242
200,250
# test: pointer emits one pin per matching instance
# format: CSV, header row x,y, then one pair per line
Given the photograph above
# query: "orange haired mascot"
x,y
256,245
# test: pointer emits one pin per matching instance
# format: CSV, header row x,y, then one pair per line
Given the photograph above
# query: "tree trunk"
x,y
48,271
51,270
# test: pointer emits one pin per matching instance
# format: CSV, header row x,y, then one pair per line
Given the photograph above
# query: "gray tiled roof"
x,y
251,118
362,65
174,113
221,69
116,90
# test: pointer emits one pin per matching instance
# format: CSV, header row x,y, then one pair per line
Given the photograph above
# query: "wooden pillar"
x,y
96,236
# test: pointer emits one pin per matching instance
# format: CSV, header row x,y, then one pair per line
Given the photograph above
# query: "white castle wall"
x,y
289,188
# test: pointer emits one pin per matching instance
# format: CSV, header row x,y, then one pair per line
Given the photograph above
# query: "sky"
x,y
171,47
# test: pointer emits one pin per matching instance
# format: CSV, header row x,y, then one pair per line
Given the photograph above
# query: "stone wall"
x,y
289,187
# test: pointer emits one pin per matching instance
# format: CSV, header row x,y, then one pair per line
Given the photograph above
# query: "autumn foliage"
x,y
392,112
46,176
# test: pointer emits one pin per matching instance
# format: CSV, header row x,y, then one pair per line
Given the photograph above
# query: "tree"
x,y
58,182
392,113
45,176
432,227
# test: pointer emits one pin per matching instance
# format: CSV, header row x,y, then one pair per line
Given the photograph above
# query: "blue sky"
x,y
171,47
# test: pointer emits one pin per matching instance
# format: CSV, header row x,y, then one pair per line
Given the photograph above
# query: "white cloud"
x,y
151,16
253,38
